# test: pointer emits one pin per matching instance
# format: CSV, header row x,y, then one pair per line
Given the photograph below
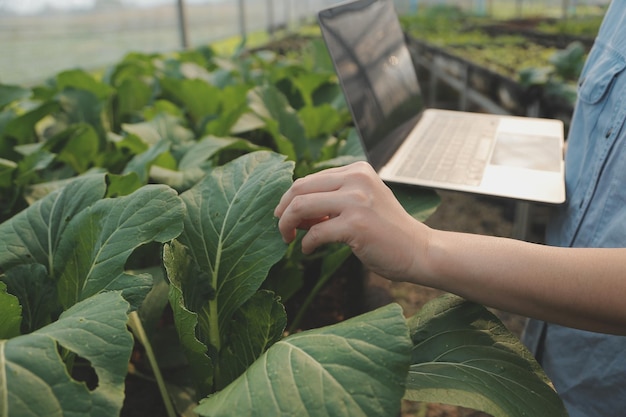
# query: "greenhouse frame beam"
x,y
242,18
182,24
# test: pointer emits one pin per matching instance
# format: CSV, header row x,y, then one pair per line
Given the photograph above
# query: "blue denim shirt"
x,y
589,369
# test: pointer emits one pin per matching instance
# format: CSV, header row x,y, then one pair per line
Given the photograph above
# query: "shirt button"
x,y
608,133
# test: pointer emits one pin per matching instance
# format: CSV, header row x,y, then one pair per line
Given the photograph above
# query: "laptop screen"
x,y
374,66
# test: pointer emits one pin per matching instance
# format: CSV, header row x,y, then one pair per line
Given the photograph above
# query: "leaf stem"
x,y
307,302
330,266
138,330
4,387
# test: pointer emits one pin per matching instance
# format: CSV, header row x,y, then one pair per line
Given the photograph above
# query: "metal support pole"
x,y
465,88
242,18
287,14
182,25
271,27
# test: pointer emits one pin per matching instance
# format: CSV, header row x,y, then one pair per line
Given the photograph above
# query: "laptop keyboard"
x,y
457,151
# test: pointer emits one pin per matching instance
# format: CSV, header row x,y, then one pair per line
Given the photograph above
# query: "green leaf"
x,y
36,293
349,151
10,316
34,380
119,185
231,231
82,80
569,62
30,167
22,127
32,236
198,159
534,76
77,146
7,168
97,242
320,121
11,93
308,82
186,292
418,202
256,326
132,96
247,122
161,127
84,241
146,131
354,368
208,147
140,165
200,98
281,119
464,356
82,106
40,190
230,243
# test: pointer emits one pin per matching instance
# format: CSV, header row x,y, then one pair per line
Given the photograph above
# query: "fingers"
x,y
307,210
324,181
314,200
329,231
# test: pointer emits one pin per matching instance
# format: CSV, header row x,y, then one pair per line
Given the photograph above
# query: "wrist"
x,y
425,255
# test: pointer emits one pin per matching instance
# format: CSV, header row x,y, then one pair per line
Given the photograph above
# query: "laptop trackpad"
x,y
541,153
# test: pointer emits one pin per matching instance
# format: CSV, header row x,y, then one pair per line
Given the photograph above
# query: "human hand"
x,y
352,205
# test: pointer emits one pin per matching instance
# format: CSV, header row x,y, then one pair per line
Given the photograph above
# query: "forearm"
x,y
582,288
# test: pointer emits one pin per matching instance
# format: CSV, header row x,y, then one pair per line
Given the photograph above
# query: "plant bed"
x,y
500,89
536,31
492,57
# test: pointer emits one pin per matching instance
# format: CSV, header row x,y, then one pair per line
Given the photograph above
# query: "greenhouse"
x,y
145,146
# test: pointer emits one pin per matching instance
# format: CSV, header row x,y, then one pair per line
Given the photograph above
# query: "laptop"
x,y
498,155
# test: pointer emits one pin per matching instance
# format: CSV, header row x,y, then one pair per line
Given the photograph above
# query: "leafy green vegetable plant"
x,y
66,293
149,191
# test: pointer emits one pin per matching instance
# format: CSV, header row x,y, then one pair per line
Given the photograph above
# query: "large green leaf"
x,y
83,241
464,356
230,244
230,228
97,243
354,368
34,380
32,236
